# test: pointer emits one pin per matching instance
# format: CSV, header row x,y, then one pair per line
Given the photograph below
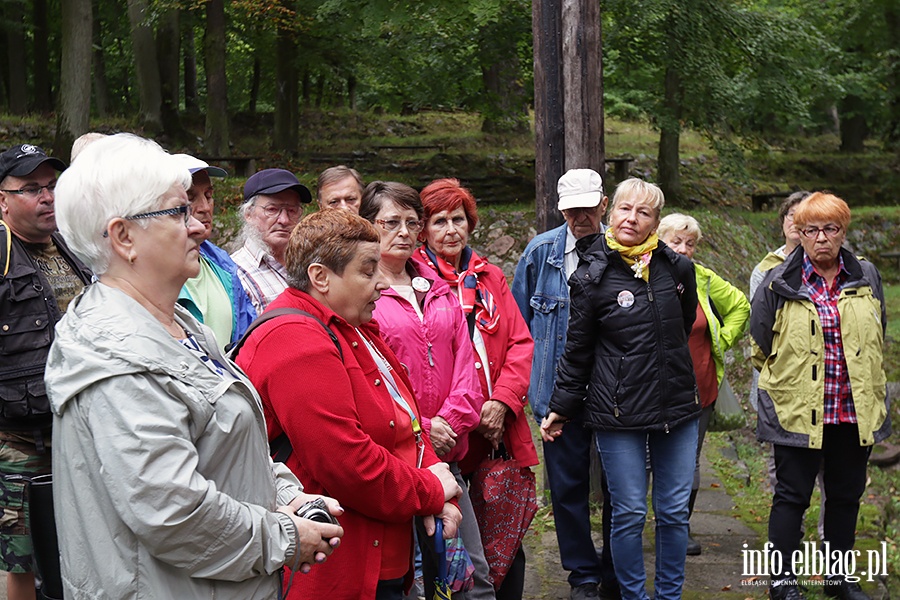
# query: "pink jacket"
x,y
438,354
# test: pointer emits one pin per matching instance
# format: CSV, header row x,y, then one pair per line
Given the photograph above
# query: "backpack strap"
x,y
5,246
280,448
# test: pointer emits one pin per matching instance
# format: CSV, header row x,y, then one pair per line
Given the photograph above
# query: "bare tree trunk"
x,y
583,85
216,136
75,82
549,126
168,45
43,91
854,129
146,66
669,135
892,19
254,85
191,96
18,62
351,91
101,86
285,136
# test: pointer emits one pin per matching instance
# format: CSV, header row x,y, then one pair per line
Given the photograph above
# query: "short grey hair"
x,y
116,176
679,223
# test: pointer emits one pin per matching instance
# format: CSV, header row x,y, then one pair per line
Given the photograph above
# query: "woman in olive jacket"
x,y
633,302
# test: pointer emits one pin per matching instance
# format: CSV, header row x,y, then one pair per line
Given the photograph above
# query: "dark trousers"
x,y
844,463
568,463
513,585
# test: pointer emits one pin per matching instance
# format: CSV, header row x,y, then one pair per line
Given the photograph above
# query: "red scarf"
x,y
473,294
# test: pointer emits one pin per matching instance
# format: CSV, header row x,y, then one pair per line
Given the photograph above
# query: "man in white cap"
x,y
273,205
215,296
541,290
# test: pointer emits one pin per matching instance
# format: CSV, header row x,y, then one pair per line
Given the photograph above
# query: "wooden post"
x,y
582,68
549,128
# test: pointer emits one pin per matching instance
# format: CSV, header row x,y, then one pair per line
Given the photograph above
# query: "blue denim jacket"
x,y
542,293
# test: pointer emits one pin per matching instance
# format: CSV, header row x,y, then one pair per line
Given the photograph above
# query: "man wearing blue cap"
x,y
273,205
38,278
215,296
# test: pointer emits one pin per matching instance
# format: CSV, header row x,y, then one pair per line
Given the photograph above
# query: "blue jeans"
x,y
672,456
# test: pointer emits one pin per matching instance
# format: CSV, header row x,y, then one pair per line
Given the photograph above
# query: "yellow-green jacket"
x,y
789,352
727,311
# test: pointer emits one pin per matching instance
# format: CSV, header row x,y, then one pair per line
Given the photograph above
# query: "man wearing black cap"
x,y
38,278
215,297
273,204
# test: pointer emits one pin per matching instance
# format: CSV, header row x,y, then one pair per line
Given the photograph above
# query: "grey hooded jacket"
x,y
163,485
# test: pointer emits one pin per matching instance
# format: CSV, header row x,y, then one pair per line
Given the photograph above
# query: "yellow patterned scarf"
x,y
637,257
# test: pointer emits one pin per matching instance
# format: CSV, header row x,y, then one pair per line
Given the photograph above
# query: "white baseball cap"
x,y
579,188
194,164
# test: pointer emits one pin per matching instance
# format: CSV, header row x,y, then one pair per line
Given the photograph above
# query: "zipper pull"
x,y
666,428
430,358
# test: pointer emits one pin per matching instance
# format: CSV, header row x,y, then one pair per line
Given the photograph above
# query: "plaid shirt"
x,y
838,396
263,277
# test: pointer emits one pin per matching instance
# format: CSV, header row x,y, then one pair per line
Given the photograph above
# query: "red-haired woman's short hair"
x,y
448,194
822,207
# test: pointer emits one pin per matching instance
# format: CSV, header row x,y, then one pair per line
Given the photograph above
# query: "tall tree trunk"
x,y
668,175
892,19
189,47
854,129
286,84
146,65
306,86
216,136
583,85
18,62
101,86
351,91
505,107
75,82
43,90
549,126
254,85
168,45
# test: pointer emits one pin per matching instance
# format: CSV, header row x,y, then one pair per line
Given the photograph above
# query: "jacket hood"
x,y
105,333
787,279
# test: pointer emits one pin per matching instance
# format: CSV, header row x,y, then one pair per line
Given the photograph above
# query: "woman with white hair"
x,y
632,303
163,484
723,315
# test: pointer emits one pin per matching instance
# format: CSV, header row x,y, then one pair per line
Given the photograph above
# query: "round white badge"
x,y
625,299
420,284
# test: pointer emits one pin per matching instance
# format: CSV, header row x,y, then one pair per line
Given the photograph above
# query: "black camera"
x,y
316,510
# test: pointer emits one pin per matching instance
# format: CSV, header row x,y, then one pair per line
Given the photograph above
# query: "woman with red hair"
x,y
500,337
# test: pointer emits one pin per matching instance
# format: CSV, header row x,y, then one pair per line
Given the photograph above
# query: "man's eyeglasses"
x,y
184,209
394,224
32,191
272,211
813,232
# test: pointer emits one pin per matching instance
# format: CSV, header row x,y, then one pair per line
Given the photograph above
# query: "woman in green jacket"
x,y
818,333
723,315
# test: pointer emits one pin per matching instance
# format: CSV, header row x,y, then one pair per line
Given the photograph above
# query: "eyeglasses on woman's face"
x,y
811,231
183,209
413,226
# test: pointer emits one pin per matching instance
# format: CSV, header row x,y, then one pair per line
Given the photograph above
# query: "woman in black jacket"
x,y
627,371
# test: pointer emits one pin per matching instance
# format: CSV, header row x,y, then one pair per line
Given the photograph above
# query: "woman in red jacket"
x,y
500,337
347,408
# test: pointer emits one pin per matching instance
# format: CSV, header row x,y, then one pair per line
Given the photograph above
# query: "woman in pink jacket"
x,y
423,323
500,338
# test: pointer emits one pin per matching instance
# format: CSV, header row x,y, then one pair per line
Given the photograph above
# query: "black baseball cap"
x,y
272,181
23,159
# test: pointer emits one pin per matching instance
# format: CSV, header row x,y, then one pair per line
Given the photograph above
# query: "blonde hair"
x,y
679,223
637,188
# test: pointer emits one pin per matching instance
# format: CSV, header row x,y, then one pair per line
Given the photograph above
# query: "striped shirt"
x,y
838,396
